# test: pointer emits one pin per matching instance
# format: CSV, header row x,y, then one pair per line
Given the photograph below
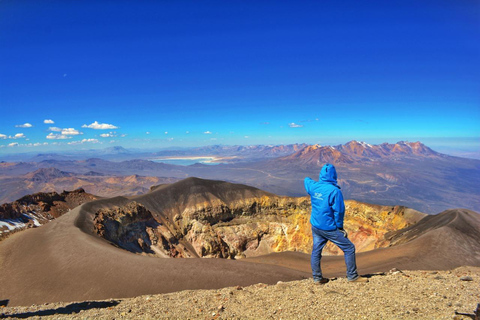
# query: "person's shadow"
x,y
69,309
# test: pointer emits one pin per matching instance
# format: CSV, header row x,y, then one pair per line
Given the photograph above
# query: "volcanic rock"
x,y
38,209
216,219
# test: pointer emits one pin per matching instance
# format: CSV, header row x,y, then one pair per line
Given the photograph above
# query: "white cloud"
x,y
148,132
100,126
187,132
3,136
207,132
294,125
108,135
71,132
123,135
18,136
65,131
246,137
13,144
84,141
25,125
58,136
48,121
166,132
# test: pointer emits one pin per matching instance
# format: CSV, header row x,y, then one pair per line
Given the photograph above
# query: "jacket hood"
x,y
329,174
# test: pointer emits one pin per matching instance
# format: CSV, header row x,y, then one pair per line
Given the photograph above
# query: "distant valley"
x,y
405,173
51,179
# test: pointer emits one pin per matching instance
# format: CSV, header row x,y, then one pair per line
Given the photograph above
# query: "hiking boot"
x,y
359,280
321,281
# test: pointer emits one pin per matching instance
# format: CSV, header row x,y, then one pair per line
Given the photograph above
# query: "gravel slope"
x,y
394,295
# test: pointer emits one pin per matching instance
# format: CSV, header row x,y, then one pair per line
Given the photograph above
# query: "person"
x,y
328,211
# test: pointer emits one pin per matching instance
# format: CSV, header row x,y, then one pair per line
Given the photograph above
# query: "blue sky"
x,y
187,73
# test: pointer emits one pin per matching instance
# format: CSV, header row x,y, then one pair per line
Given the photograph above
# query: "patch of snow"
x,y
12,224
406,143
4,223
366,145
31,216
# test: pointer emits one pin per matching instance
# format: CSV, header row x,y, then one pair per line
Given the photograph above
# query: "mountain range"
x,y
409,174
355,151
405,173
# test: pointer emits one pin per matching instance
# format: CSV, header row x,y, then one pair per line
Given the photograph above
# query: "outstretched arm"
x,y
307,182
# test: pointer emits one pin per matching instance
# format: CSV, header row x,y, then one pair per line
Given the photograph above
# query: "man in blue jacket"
x,y
328,210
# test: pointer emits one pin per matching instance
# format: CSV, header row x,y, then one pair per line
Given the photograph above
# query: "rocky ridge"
x,y
133,228
38,209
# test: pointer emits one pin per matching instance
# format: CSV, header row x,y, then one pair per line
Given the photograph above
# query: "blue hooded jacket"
x,y
328,208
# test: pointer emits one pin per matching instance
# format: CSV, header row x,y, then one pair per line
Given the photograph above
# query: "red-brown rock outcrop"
x,y
39,208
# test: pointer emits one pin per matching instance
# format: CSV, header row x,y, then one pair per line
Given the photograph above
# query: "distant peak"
x,y
314,147
352,142
358,143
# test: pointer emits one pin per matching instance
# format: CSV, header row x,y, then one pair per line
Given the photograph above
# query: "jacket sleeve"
x,y
307,182
338,207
